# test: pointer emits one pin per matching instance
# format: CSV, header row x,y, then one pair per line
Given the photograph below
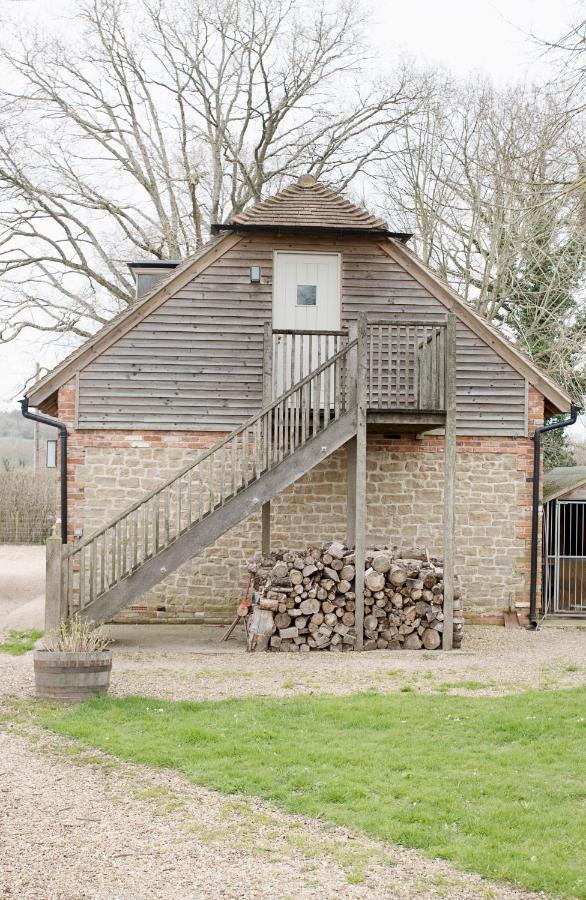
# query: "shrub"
x,y
76,636
27,505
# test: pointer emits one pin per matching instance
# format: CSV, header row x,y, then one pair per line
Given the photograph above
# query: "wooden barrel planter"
x,y
71,677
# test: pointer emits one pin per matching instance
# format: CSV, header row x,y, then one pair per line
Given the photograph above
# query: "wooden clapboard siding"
x,y
196,362
490,394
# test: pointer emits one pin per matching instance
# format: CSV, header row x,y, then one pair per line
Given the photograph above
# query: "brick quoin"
x,y
111,469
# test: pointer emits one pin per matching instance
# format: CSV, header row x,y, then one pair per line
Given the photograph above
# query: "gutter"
x,y
54,423
574,410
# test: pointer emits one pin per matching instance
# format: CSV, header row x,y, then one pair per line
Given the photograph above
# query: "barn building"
x,y
302,377
564,541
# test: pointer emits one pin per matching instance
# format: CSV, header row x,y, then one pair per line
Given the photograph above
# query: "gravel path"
x,y
86,827
194,666
82,826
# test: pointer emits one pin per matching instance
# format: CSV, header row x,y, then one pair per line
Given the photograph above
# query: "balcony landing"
x,y
405,421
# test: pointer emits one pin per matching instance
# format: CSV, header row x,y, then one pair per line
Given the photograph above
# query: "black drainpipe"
x,y
54,423
574,410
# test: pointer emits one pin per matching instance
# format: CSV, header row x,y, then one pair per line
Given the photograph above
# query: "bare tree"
x,y
490,181
568,54
129,140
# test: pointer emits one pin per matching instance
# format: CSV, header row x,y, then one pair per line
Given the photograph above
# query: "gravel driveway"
x,y
22,586
188,663
85,827
82,826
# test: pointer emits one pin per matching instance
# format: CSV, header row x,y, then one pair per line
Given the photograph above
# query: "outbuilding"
x,y
564,541
302,377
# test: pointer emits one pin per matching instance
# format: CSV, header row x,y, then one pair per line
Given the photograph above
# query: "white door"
x,y
306,297
306,291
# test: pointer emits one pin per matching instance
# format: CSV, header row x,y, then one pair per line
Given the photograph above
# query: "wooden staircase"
x,y
148,541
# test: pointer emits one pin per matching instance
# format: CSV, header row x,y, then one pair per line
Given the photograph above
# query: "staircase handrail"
x,y
76,548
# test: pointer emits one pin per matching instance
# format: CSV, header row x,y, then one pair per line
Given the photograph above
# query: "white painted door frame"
x,y
296,356
288,314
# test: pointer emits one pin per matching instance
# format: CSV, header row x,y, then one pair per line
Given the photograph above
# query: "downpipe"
x,y
54,423
574,410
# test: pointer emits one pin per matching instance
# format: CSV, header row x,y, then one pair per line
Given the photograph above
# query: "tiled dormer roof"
x,y
307,204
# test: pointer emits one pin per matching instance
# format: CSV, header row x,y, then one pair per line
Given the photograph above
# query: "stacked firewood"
x,y
306,600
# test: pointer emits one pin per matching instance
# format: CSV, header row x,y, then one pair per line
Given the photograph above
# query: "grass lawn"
x,y
497,785
16,643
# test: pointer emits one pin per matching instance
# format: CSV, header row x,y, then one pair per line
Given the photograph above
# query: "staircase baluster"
x,y
156,522
245,457
145,532
314,406
255,429
286,345
134,532
211,483
166,514
123,548
190,497
117,552
327,397
199,496
234,488
290,342
82,578
282,406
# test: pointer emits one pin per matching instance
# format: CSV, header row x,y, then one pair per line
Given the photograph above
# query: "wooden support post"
x,y
266,528
267,396
351,492
360,478
55,585
351,377
449,481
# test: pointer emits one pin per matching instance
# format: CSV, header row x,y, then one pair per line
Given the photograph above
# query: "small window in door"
x,y
306,295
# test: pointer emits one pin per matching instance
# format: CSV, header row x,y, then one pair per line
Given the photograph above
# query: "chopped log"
x,y
397,576
347,573
260,629
381,563
431,639
375,581
412,642
282,620
331,574
310,606
271,603
285,633
370,623
337,550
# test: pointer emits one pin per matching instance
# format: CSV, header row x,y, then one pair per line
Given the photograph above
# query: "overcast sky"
x,y
492,37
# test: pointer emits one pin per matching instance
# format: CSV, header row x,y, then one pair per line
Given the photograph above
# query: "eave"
x,y
325,230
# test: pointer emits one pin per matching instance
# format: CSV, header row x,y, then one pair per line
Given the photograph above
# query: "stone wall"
x,y
109,470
